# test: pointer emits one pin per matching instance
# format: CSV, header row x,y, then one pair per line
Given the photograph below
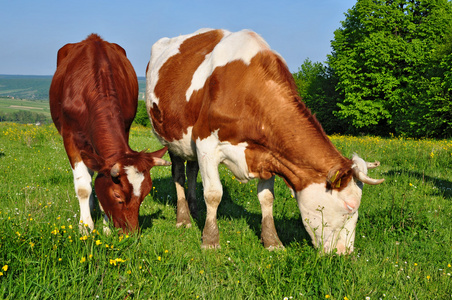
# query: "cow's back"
x,y
92,75
180,83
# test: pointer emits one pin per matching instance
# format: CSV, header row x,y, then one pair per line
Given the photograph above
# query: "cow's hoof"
x,y
275,247
184,224
210,246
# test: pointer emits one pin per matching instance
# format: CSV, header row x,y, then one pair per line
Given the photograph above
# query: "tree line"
x,y
24,117
389,72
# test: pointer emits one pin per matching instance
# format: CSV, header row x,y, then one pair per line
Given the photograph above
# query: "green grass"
x,y
9,105
403,244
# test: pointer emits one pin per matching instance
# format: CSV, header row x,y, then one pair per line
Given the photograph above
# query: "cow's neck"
x,y
109,139
298,150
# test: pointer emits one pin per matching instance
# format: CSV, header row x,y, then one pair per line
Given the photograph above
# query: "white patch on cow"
x,y
83,189
242,45
233,156
326,216
135,178
185,147
161,51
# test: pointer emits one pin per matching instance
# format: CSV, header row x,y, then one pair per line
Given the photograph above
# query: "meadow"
x,y
403,246
8,105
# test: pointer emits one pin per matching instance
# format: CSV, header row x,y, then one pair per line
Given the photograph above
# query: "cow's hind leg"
x,y
192,176
178,173
266,196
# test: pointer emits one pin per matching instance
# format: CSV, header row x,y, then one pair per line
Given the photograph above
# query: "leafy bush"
x,y
142,117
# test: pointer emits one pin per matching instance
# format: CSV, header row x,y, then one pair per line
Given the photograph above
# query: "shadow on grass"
x,y
443,187
289,229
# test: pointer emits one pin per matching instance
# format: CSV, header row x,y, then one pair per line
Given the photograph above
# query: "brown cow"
x,y
221,97
93,101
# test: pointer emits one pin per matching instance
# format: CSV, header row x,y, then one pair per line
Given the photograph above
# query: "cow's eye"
x,y
116,180
118,197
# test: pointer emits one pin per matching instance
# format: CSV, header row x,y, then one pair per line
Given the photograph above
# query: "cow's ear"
x,y
160,162
338,178
63,52
157,157
159,153
93,161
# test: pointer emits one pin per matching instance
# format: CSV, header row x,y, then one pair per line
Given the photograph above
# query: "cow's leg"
x,y
192,176
213,191
178,173
106,221
83,189
266,195
82,183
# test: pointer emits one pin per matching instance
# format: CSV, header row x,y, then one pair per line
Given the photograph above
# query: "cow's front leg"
x,y
266,195
83,189
213,191
178,173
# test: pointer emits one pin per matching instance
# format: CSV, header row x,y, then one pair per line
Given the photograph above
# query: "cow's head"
x,y
122,187
330,211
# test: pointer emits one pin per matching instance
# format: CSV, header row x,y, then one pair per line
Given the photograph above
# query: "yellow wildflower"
x,y
98,242
5,268
83,260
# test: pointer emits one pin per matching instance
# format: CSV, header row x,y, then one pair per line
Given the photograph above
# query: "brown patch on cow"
x,y
174,80
210,235
269,235
83,193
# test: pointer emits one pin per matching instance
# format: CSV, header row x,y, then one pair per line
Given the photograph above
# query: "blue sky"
x,y
32,31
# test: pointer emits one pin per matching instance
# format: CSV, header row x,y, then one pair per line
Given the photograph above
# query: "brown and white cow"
x,y
216,96
93,101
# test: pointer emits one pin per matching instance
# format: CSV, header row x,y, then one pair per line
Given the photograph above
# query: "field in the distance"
x,y
9,105
403,247
37,87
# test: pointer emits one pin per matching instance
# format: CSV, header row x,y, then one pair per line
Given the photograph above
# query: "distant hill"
x,y
32,87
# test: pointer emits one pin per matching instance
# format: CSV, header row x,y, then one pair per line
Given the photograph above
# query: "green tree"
x,y
390,73
316,87
141,116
